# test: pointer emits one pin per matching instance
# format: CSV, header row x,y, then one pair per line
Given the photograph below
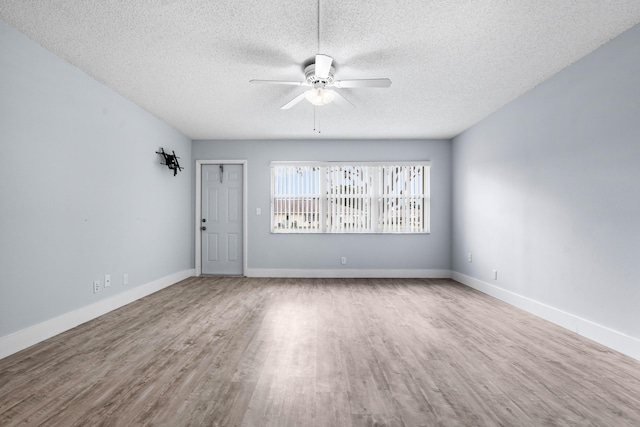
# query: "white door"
x,y
221,219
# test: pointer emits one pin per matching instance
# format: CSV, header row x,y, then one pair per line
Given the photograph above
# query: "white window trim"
x,y
324,200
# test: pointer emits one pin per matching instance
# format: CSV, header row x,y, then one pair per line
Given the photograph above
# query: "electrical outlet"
x,y
107,280
258,211
343,261
495,274
96,286
470,258
125,279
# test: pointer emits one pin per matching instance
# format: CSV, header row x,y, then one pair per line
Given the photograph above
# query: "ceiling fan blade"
x,y
293,102
276,82
323,66
341,100
362,83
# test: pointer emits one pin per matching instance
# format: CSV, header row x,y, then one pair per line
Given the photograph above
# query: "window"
x,y
320,197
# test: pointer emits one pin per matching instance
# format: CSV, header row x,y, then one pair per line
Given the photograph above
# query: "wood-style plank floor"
x,y
319,352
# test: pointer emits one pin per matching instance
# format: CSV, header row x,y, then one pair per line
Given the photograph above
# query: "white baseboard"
x,y
601,334
349,273
17,341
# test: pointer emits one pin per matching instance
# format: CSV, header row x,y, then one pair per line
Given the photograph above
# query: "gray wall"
x,y
323,251
547,191
82,193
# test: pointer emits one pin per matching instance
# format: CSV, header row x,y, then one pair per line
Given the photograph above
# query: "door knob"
x,y
203,228
204,219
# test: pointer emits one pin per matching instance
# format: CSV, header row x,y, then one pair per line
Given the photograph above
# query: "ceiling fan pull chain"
x,y
316,120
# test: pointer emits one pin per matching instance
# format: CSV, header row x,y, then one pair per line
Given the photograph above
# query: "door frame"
x,y
198,239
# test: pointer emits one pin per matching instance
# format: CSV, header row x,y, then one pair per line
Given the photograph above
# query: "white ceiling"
x,y
452,62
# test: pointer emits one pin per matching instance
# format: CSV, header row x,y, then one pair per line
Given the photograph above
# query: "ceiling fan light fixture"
x,y
319,96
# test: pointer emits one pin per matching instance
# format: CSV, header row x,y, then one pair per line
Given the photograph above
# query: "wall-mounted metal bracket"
x,y
171,160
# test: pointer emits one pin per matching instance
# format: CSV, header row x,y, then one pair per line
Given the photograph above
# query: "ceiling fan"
x,y
320,76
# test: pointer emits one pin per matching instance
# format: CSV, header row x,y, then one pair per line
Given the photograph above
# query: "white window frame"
x,y
378,223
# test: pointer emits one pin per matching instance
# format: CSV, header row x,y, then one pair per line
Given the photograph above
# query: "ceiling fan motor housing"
x,y
315,81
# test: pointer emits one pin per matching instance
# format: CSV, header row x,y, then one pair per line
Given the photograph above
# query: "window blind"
x,y
349,197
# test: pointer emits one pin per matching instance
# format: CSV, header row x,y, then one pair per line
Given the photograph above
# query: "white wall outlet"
x,y
125,279
96,286
495,274
470,258
258,211
343,261
107,280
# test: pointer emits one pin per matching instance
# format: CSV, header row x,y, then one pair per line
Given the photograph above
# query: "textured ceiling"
x,y
452,62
